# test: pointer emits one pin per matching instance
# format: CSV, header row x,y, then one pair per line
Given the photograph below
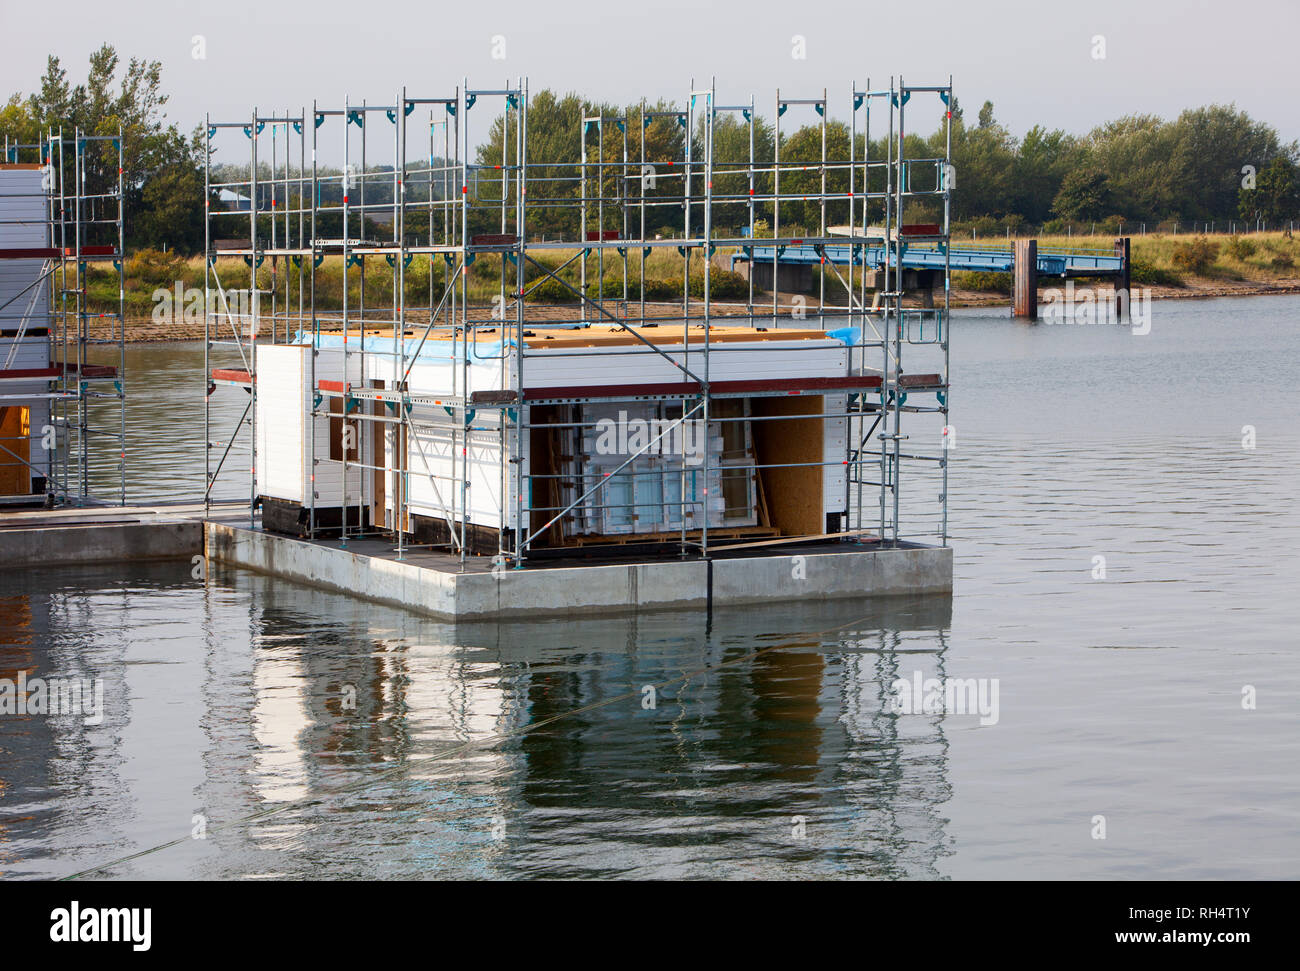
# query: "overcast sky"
x,y
1035,61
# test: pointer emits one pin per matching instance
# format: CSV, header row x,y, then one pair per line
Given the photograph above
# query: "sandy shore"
x,y
1195,289
145,329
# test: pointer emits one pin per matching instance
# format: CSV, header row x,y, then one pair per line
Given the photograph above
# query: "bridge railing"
x,y
929,255
1005,247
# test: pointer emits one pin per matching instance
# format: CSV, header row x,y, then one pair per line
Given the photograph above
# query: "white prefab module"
x,y
299,456
641,464
25,369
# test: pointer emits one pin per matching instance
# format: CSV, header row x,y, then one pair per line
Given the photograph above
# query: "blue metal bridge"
x,y
1073,263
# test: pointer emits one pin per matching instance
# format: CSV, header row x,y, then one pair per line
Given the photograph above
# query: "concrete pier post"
x,y
1024,286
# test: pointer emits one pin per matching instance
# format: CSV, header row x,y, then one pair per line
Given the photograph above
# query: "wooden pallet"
x,y
692,535
861,535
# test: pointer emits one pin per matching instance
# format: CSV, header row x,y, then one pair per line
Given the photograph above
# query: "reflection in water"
x,y
42,756
301,700
19,629
1120,695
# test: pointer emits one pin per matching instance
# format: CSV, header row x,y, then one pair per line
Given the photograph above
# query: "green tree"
x,y
731,157
1216,142
804,147
19,125
553,145
1085,194
171,209
1043,159
984,159
555,139
1276,196
1146,168
115,99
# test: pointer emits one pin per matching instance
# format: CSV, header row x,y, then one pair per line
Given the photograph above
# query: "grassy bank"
x,y
425,279
1173,261
1158,261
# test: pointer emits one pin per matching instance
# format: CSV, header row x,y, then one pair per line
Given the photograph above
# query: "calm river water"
x,y
771,752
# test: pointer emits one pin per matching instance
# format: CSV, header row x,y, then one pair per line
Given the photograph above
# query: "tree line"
x,y
1213,163
162,175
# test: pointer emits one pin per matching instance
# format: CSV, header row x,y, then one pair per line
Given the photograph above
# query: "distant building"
x,y
234,200
238,202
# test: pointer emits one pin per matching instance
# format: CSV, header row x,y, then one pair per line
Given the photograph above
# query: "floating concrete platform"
x,y
99,534
432,583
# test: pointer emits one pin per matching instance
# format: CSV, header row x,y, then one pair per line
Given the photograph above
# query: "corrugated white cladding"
x,y
437,451
25,300
835,432
23,206
17,292
437,459
24,223
284,404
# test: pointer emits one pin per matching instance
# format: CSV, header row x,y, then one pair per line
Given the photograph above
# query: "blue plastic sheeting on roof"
x,y
849,336
433,350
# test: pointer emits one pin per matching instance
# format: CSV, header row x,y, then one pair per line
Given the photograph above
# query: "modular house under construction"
x,y
62,400
401,379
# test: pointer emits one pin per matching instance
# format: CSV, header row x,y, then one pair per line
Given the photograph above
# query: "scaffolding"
x,y
412,187
79,385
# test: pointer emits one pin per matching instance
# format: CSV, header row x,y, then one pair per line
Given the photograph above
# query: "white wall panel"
x,y
282,404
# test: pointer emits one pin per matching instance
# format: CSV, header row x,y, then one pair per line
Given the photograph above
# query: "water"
x,y
164,427
770,752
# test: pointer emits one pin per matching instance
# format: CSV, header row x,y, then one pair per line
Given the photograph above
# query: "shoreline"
x,y
145,330
1195,289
